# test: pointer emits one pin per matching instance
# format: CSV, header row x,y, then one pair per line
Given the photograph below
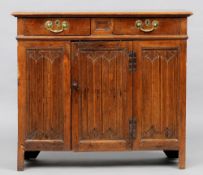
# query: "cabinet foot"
x,y
20,161
181,163
29,155
171,154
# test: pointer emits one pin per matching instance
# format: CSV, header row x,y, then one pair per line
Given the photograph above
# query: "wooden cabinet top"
x,y
103,14
102,25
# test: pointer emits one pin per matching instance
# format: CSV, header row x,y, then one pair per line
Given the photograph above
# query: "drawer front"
x,y
147,26
101,26
56,26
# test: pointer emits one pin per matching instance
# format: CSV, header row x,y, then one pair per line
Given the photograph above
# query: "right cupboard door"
x,y
157,94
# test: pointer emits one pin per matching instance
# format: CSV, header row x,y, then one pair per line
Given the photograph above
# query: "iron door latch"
x,y
132,61
132,128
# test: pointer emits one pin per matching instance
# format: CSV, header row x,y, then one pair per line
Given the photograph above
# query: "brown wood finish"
x,y
102,85
159,77
169,13
44,96
182,111
166,26
36,26
103,99
102,26
103,37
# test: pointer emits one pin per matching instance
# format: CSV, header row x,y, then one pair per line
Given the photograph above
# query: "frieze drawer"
x,y
56,26
148,26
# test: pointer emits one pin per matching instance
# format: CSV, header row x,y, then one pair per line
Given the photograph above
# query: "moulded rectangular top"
x,y
105,14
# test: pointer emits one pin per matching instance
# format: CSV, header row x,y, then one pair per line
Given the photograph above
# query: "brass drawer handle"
x,y
60,27
153,25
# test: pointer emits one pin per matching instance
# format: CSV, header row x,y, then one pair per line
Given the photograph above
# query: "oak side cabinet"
x,y
108,81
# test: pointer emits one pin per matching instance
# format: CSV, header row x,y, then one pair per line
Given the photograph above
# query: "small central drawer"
x,y
101,26
147,26
56,26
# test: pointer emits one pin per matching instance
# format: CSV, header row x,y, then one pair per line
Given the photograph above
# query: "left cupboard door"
x,y
44,95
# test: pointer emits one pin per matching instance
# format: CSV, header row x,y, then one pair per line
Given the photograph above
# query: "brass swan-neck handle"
x,y
153,25
59,27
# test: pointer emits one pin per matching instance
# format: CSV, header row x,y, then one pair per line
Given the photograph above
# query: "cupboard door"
x,y
101,96
156,98
44,79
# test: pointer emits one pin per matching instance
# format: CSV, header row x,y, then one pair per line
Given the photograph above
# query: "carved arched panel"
x,y
45,108
101,93
160,81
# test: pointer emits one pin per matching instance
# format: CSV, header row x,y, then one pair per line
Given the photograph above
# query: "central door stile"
x,y
132,66
136,95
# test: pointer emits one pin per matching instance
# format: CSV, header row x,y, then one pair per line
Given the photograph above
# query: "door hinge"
x,y
132,128
132,61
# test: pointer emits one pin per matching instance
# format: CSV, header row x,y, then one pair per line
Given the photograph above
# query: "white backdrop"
x,y
63,163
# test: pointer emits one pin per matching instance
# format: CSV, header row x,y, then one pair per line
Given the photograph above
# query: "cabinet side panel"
x,y
21,105
21,92
182,100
